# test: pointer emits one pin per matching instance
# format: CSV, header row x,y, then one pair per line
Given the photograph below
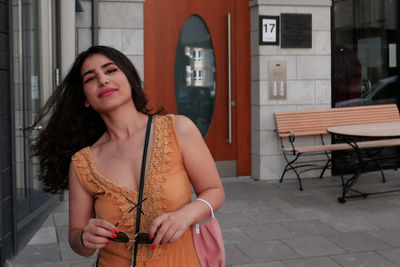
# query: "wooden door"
x,y
163,23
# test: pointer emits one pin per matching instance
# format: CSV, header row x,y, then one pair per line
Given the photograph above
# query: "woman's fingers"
x,y
96,233
101,223
94,242
169,228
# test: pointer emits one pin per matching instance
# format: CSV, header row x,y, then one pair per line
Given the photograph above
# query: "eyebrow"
x,y
102,66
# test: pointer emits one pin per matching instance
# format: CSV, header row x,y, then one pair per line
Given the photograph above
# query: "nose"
x,y
102,79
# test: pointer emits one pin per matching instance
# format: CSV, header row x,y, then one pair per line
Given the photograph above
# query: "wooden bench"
x,y
292,124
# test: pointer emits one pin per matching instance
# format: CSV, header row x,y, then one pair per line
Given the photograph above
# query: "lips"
x,y
107,92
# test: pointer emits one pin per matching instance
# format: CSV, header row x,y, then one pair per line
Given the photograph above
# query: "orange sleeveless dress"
x,y
167,188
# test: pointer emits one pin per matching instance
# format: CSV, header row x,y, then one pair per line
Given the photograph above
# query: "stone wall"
x,y
83,27
120,26
308,80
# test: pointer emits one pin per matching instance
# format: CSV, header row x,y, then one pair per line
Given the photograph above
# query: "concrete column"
x,y
308,80
67,33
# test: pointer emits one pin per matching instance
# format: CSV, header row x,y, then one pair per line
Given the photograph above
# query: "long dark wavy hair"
x,y
70,125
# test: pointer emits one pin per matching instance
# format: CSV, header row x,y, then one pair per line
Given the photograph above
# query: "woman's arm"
x,y
204,177
86,233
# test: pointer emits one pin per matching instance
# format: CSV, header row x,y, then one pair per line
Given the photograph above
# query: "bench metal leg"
x,y
380,169
325,168
289,166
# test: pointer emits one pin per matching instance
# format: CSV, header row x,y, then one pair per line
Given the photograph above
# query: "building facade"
x,y
30,69
227,64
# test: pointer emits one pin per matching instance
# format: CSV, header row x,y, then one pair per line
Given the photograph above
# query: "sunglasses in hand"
x,y
141,237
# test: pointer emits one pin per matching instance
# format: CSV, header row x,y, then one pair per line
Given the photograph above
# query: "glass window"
x,y
365,52
28,83
195,77
366,72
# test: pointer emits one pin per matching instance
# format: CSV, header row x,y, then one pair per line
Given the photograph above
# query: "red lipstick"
x,y
107,92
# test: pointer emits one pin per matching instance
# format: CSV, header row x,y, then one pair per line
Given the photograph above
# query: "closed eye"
x,y
111,71
90,79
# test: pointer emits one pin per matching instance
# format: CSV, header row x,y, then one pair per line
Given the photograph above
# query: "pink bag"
x,y
208,241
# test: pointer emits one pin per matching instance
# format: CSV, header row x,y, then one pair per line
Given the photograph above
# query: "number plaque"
x,y
269,30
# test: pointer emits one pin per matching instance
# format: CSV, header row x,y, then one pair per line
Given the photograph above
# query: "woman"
x,y
99,117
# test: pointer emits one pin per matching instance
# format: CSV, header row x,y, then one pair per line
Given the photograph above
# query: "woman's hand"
x,y
96,233
169,227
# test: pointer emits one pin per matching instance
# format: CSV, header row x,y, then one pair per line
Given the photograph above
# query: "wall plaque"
x,y
296,30
269,30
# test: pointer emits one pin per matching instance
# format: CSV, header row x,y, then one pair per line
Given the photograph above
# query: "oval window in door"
x,y
195,73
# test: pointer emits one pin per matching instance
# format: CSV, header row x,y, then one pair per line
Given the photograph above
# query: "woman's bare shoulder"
x,y
184,125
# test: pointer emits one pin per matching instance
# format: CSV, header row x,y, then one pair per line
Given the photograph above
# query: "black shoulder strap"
x,y
142,174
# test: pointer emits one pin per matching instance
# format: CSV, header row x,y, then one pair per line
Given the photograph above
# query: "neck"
x,y
123,122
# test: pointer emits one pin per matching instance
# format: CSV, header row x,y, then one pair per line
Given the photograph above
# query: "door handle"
x,y
37,128
229,140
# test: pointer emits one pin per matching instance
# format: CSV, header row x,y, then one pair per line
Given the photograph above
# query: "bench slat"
x,y
314,122
345,146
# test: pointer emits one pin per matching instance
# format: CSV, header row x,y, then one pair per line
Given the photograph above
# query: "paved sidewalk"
x,y
274,225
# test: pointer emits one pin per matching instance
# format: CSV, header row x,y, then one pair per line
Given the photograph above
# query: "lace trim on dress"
x,y
153,190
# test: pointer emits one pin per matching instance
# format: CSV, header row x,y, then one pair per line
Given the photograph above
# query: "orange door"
x,y
227,129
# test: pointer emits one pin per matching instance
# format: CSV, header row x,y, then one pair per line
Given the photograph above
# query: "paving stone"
x,y
309,228
307,213
388,219
234,219
48,222
302,201
270,203
232,188
390,236
62,207
67,253
269,216
61,218
265,232
378,206
74,263
395,200
313,246
235,256
235,206
262,264
62,234
306,262
346,210
44,235
350,223
365,259
38,254
319,191
357,241
250,191
235,235
392,255
268,251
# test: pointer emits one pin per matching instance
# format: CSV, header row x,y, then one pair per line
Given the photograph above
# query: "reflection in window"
x,y
195,84
365,52
27,100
